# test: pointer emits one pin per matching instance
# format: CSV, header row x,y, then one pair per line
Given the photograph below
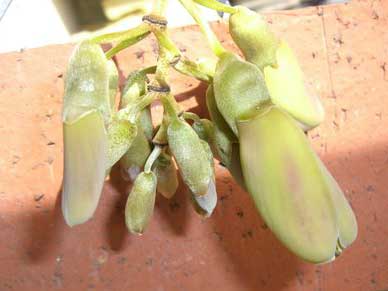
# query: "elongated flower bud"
x,y
204,129
136,156
121,134
287,89
85,159
190,156
140,203
239,89
86,111
205,204
134,90
167,175
145,121
135,87
250,32
285,180
134,159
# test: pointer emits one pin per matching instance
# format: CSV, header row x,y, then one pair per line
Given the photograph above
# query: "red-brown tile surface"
x,y
343,51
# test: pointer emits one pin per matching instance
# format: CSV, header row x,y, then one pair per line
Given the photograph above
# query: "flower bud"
x,y
121,134
140,203
167,175
190,156
86,111
285,180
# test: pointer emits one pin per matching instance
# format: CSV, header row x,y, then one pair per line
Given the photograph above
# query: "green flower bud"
x,y
286,182
135,158
205,204
145,121
250,32
190,156
287,89
239,89
85,159
204,129
135,87
167,175
86,111
140,203
121,134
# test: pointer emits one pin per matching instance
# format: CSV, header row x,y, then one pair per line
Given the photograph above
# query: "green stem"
x,y
191,116
190,68
170,106
215,5
148,70
132,111
152,158
165,41
124,44
132,33
214,43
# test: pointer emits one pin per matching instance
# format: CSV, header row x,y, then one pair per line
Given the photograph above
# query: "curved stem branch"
x,y
152,158
215,45
124,44
122,35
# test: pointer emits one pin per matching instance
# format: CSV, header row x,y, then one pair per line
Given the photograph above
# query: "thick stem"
x,y
191,116
152,158
190,68
132,33
132,111
214,43
215,5
124,44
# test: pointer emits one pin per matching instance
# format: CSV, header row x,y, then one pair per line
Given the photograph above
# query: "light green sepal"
x,y
239,89
86,84
85,158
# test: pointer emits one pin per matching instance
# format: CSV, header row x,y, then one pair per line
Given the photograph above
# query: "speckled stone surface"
x,y
344,53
